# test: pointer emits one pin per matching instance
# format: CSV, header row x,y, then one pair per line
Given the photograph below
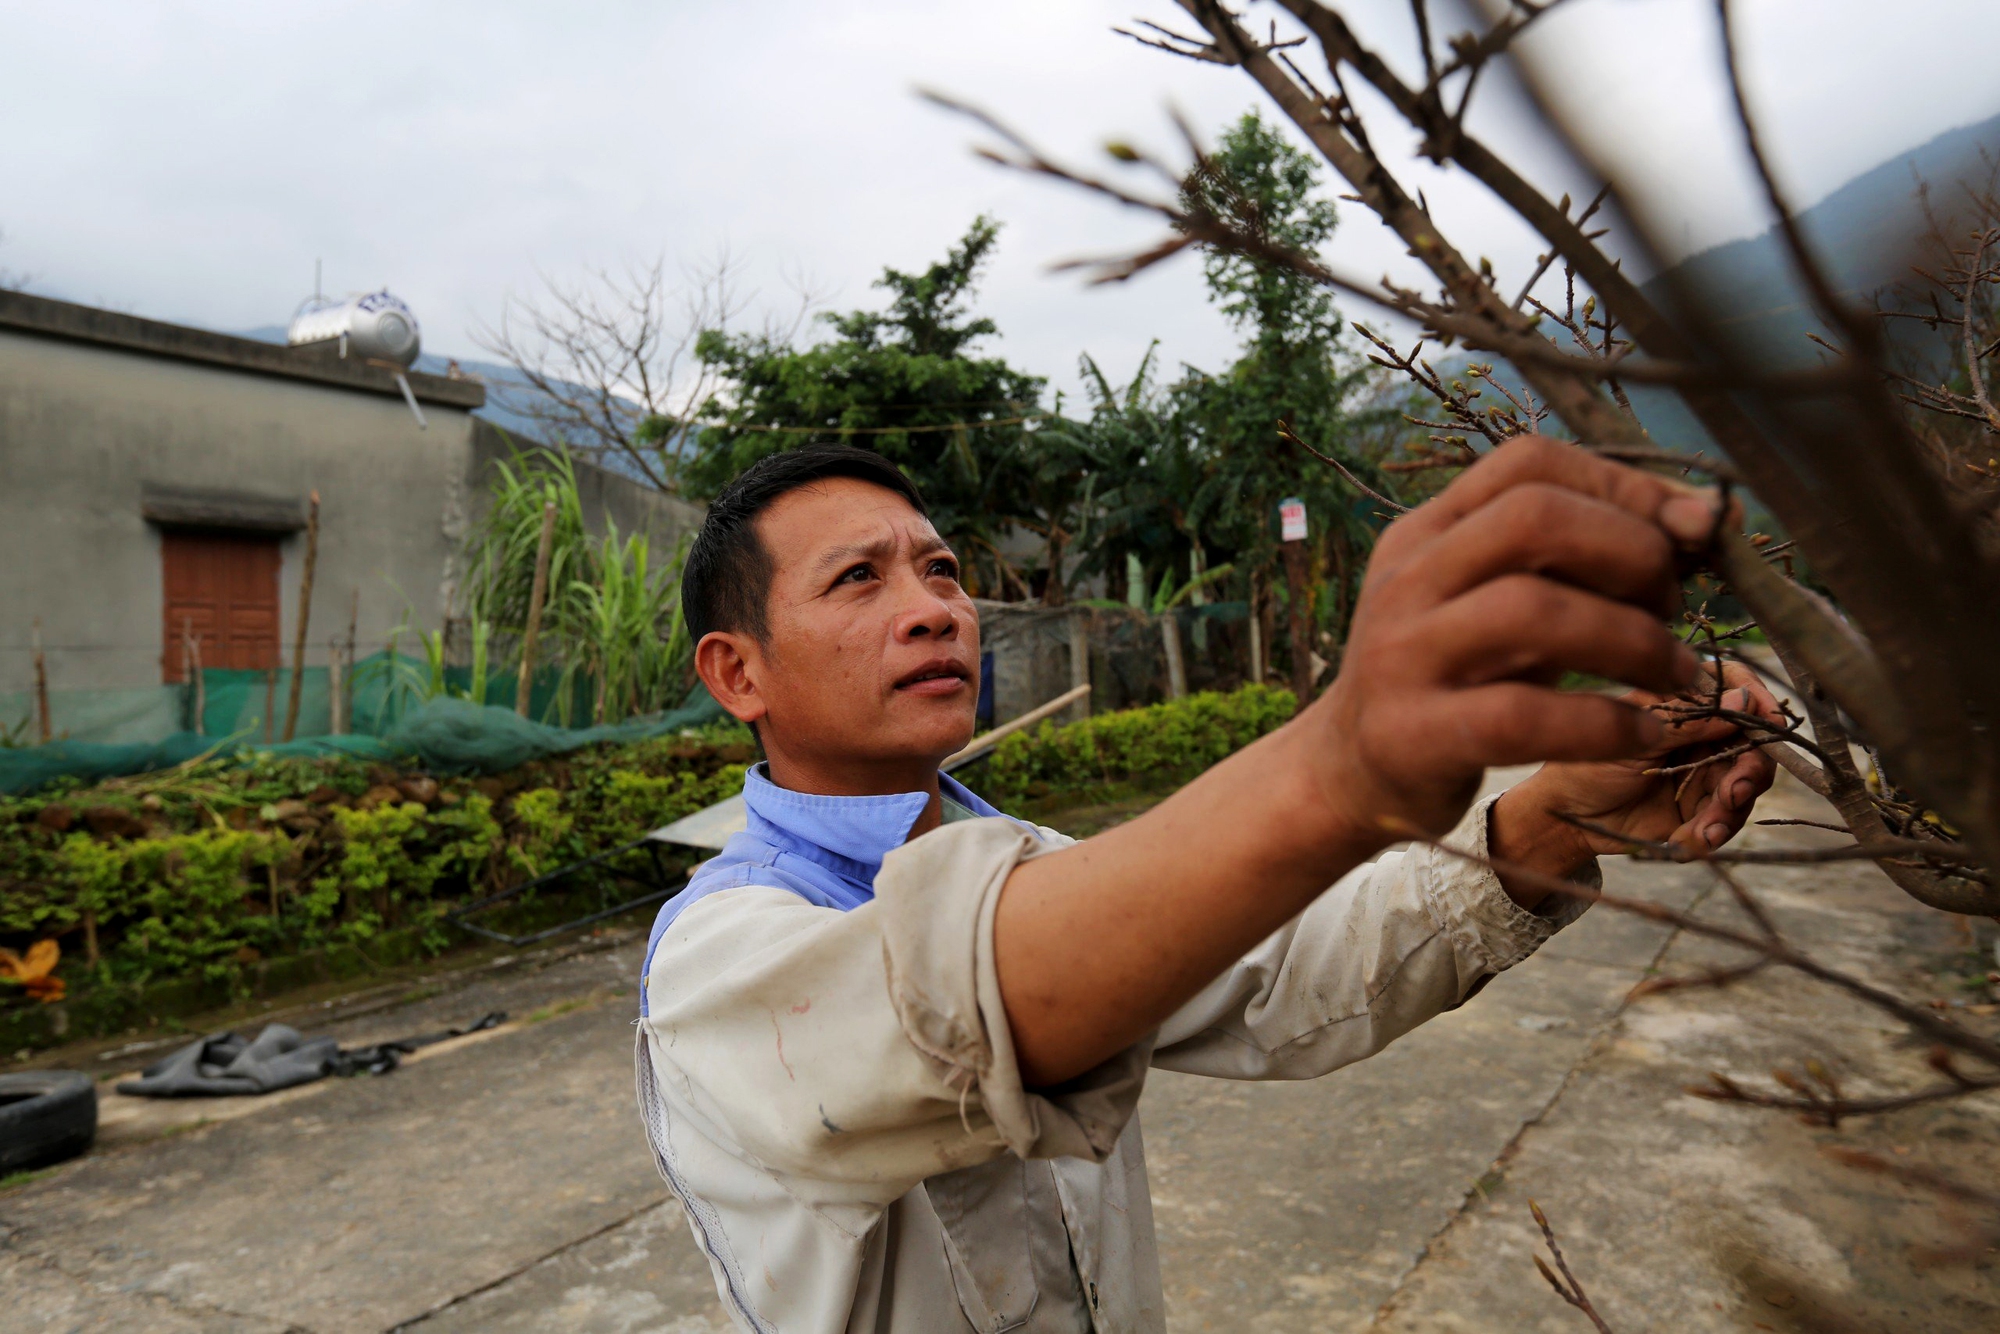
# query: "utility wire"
x,y
873,430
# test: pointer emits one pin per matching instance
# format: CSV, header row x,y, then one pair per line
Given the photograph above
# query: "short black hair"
x,y
726,580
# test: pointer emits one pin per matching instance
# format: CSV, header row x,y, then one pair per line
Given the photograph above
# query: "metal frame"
x,y
657,883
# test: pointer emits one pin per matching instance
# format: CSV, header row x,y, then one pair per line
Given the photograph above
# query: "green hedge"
x,y
1134,750
206,871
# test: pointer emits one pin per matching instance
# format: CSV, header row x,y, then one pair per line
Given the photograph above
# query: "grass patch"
x,y
15,1180
556,1009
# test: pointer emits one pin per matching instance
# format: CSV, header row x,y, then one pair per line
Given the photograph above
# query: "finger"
x,y
1685,512
1737,677
1725,803
1678,732
1539,528
1749,777
1687,725
1525,626
1760,700
1511,723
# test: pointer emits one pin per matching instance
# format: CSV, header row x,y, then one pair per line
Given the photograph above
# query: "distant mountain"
x,y
1862,233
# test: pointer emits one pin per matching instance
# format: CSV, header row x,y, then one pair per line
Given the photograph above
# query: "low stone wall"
x,y
1039,652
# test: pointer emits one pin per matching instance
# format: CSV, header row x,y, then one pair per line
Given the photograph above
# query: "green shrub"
x,y
205,870
1149,749
543,827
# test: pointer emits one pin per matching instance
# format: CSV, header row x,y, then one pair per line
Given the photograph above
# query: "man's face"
x,y
872,652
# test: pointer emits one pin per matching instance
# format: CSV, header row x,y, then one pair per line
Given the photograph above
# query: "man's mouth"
x,y
934,678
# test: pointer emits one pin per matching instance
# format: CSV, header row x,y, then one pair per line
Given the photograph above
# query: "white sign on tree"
x,y
1292,519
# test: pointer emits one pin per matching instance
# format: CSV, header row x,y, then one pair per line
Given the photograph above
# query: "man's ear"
x,y
729,664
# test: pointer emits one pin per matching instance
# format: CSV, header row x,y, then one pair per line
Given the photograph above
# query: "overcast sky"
x,y
191,161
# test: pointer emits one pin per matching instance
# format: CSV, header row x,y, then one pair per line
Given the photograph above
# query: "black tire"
x,y
45,1117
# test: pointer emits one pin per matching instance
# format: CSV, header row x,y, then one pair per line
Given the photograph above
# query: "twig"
x,y
1914,1175
1685,462
1948,854
1286,433
1693,765
1566,1287
1831,1111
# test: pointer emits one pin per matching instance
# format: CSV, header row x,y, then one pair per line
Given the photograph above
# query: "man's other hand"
x,y
1539,560
1694,788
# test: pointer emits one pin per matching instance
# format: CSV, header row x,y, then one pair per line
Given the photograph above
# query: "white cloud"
x,y
190,161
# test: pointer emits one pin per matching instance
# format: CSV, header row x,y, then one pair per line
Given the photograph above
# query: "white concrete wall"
x,y
83,427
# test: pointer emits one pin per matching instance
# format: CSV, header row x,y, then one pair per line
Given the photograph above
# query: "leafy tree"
x,y
1159,494
1294,366
905,382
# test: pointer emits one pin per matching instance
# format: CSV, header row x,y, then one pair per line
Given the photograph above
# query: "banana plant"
x,y
1167,597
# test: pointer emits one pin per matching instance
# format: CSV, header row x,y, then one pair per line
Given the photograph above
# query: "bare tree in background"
x,y
1899,665
609,362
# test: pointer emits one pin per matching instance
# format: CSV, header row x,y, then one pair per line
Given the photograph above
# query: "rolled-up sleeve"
x,y
852,1055
1392,944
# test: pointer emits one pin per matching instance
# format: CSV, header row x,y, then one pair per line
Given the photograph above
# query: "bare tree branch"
x,y
608,360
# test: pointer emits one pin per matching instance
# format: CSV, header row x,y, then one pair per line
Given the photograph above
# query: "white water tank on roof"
x,y
374,327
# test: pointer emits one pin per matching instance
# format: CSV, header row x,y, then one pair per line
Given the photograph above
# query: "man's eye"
x,y
944,569
858,575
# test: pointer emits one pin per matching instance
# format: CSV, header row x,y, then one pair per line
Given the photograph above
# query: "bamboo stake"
x,y
1197,567
353,622
336,712
1079,663
191,669
41,684
1170,636
305,614
1256,632
980,744
200,687
535,595
1298,585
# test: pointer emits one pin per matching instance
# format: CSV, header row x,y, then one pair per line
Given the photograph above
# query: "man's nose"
x,y
925,615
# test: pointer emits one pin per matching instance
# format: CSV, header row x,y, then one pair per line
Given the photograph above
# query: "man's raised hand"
x,y
1540,559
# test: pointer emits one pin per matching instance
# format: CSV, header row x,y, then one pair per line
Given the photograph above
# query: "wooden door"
x,y
223,588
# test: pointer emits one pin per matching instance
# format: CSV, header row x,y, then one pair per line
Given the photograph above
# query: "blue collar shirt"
x,y
826,850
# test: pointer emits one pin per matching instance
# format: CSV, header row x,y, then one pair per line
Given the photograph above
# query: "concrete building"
x,y
154,481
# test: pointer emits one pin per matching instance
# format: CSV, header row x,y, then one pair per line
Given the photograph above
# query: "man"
x,y
892,1040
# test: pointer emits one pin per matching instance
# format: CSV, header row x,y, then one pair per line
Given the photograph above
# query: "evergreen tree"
x,y
1294,366
904,382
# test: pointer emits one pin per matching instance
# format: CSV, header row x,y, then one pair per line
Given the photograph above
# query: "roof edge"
x,y
25,313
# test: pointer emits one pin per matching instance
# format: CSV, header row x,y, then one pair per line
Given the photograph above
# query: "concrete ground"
x,y
501,1183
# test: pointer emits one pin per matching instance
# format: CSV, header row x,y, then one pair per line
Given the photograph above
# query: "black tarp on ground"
x,y
279,1058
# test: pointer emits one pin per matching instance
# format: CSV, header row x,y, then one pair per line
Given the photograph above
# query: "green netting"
x,y
393,722
148,713
252,705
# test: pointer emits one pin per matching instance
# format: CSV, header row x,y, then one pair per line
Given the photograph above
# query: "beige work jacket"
x,y
834,1096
